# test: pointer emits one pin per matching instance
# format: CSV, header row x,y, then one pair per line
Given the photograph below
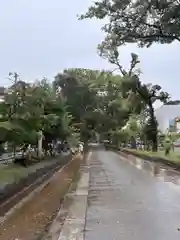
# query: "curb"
x,y
32,193
163,161
70,221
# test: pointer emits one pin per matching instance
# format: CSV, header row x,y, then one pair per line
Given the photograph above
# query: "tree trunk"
x,y
154,144
85,146
154,128
133,143
167,151
40,145
14,151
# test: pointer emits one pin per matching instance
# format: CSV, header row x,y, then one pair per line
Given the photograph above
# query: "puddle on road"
x,y
157,170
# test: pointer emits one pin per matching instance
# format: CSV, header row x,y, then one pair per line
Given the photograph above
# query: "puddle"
x,y
157,170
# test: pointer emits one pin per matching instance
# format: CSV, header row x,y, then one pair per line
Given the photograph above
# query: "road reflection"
x,y
157,170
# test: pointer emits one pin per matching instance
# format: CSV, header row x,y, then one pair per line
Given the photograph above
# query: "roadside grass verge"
x,y
174,157
12,173
33,219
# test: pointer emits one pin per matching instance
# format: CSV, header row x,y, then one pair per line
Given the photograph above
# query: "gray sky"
x,y
41,37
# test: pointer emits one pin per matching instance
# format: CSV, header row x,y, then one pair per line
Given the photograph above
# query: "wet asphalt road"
x,y
127,203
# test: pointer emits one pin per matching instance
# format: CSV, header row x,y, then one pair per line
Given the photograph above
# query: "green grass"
x,y
173,156
13,173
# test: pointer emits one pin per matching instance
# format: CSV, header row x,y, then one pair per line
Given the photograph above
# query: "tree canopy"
x,y
30,108
78,105
144,23
141,22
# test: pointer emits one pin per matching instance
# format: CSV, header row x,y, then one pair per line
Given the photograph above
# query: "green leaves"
x,y
27,109
7,126
79,104
94,99
141,22
80,96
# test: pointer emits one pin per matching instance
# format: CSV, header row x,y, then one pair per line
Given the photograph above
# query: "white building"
x,y
167,117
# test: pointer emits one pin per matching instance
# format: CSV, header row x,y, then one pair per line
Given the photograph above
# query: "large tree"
x,y
140,21
79,97
113,108
95,100
141,95
29,109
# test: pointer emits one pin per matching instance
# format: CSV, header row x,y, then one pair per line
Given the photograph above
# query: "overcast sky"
x,y
41,37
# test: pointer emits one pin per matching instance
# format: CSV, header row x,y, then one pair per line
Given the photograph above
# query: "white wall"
x,y
165,113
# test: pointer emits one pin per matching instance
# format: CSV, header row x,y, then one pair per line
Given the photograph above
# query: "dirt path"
x,y
30,222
